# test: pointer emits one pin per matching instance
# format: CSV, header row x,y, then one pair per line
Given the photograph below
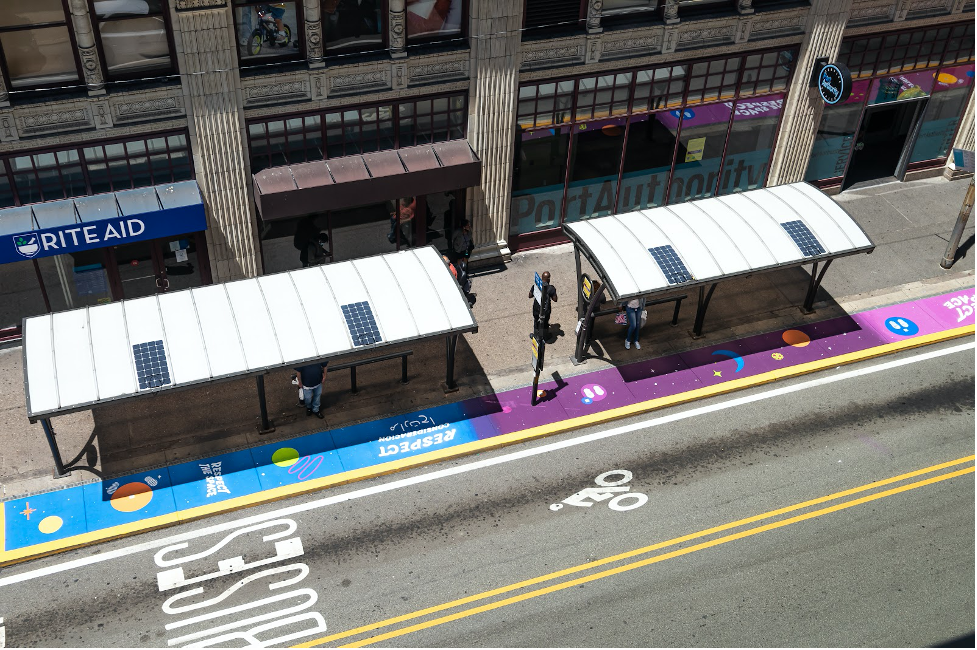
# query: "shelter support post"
x,y
59,469
449,385
262,406
580,305
700,312
812,288
585,334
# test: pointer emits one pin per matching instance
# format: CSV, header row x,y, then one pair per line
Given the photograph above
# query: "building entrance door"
x,y
880,143
158,265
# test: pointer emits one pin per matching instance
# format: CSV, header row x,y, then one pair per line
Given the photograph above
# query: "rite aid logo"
x,y
27,244
834,83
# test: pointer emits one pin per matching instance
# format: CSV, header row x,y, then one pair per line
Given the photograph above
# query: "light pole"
x,y
965,210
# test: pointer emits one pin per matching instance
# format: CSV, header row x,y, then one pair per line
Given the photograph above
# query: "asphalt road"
x,y
764,524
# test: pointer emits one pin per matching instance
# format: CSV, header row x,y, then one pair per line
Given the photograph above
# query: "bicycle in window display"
x,y
271,29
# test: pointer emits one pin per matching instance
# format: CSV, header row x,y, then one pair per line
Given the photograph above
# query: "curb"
x,y
8,558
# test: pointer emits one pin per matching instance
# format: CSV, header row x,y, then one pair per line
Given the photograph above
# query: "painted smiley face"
x,y
901,326
592,393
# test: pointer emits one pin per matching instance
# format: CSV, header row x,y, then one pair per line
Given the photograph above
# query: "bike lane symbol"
x,y
607,489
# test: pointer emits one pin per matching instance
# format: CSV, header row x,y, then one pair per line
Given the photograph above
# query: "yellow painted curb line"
x,y
313,485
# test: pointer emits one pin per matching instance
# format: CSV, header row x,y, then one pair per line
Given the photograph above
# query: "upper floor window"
x,y
268,30
354,25
620,7
37,44
554,13
134,36
434,19
906,51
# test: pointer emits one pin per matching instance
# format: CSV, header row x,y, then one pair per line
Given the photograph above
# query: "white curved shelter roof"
x,y
77,359
709,240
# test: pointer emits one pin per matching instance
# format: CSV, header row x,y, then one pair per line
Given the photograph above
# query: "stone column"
x,y
206,49
594,8
313,34
397,16
671,12
85,38
4,93
495,29
803,108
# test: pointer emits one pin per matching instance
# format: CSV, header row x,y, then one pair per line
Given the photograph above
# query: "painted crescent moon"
x,y
732,355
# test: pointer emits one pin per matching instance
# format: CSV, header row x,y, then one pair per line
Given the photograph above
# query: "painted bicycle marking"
x,y
607,489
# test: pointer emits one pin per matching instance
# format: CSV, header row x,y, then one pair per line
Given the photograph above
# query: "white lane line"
x,y
480,464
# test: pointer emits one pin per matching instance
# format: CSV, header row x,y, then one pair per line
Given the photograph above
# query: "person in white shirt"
x,y
633,309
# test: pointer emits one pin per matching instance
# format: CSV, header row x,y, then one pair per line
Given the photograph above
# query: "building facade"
x,y
386,123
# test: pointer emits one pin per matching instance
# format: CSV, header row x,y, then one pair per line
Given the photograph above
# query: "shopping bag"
x,y
621,319
644,316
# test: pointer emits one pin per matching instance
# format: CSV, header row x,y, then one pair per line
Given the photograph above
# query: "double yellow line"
x,y
496,604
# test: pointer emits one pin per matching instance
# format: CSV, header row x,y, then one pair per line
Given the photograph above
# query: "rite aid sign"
x,y
834,83
98,234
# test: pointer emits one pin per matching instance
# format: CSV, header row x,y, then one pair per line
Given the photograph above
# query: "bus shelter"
x,y
668,250
79,359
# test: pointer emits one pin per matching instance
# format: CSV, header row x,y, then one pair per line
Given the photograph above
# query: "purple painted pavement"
x,y
594,391
841,336
721,362
898,322
952,309
659,377
512,410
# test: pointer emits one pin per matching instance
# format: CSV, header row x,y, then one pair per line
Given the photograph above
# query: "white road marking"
x,y
480,464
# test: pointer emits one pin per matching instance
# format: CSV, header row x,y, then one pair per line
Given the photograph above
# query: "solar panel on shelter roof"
x,y
804,238
671,264
152,370
361,323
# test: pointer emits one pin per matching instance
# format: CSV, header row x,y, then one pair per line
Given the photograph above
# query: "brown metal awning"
x,y
338,183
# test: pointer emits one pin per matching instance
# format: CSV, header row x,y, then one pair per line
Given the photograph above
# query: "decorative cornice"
x,y
192,5
778,27
283,91
440,71
701,36
313,39
358,82
629,47
148,109
53,121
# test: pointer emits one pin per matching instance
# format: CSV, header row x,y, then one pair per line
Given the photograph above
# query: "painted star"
x,y
28,510
717,373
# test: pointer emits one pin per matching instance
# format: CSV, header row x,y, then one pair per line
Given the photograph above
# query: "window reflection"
x,y
133,35
750,144
538,178
352,24
700,151
593,169
433,18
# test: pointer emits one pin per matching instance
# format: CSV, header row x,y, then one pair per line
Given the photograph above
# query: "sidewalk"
x,y
908,222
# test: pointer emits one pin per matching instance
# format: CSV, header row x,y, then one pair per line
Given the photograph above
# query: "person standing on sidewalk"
x,y
633,308
542,309
310,381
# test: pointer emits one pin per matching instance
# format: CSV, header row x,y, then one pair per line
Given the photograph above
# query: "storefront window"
x,y
659,88
750,144
943,113
596,154
647,161
430,19
836,132
764,73
94,169
538,179
712,80
357,130
353,24
75,280
545,104
133,36
37,44
267,30
603,96
700,151
899,87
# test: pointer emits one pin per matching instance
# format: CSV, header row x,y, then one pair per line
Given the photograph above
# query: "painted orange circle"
x,y
945,78
796,338
131,497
